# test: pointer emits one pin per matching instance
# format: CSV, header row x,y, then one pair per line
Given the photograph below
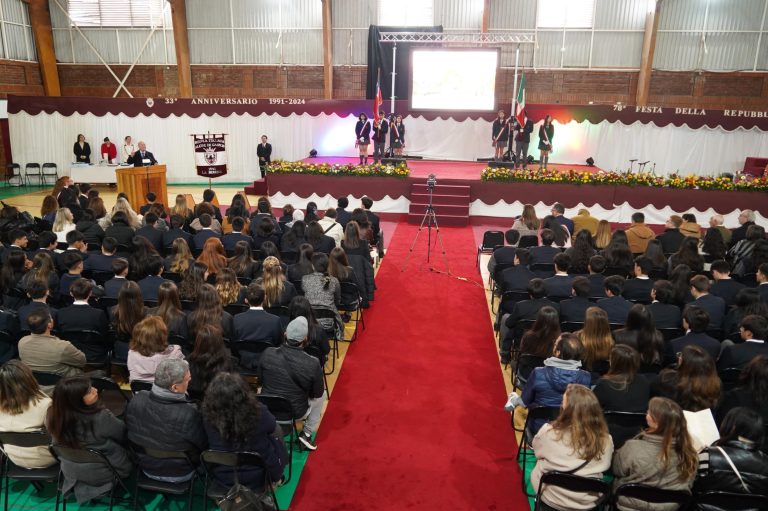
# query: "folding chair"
x,y
36,476
651,495
46,379
100,277
571,326
574,483
113,397
528,241
495,278
491,240
85,456
97,349
730,377
248,354
33,170
50,170
509,299
525,365
139,385
350,303
236,460
13,171
730,501
546,413
670,333
282,409
624,425
321,313
236,308
314,350
542,270
144,482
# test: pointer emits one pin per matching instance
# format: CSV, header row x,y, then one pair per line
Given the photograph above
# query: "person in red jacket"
x,y
109,149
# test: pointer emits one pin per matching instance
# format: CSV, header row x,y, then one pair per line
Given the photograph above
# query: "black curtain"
x,y
380,62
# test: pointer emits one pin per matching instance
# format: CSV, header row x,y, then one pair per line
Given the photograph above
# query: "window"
x,y
116,13
408,13
565,13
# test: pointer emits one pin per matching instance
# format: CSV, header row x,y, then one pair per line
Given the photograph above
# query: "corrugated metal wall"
x,y
16,42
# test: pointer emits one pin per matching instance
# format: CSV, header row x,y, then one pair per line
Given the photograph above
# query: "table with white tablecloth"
x,y
93,174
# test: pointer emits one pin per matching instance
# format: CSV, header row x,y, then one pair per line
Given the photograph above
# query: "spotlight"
x,y
313,153
530,159
590,162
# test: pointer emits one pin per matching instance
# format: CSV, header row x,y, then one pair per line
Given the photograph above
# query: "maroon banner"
x,y
225,106
210,155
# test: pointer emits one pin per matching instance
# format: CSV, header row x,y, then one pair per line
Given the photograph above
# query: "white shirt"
x,y
128,150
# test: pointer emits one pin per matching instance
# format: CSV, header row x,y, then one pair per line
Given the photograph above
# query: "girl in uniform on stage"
x,y
500,135
398,135
128,148
363,137
546,133
82,150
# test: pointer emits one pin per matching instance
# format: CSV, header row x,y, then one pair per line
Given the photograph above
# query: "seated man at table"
x,y
141,157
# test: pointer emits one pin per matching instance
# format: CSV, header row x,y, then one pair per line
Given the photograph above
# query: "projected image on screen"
x,y
453,79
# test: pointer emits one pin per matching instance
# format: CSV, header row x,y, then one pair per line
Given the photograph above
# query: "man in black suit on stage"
x,y
665,313
561,284
724,287
753,331
639,288
615,305
264,152
141,157
256,324
575,309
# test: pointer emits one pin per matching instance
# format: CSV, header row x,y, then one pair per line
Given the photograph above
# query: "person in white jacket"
x,y
331,227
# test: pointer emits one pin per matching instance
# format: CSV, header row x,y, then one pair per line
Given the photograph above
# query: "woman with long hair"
x,y
353,244
602,237
303,265
143,250
43,270
242,262
712,246
269,249
694,384
747,303
12,271
237,208
48,208
617,254
596,340
194,278
264,231
77,419
123,206
149,346
641,333
120,229
209,358
338,266
577,442
311,215
688,254
655,253
234,420
229,289
680,278
317,336
213,255
169,310
751,392
623,389
209,312
323,291
128,312
546,134
318,239
363,224
180,258
96,204
90,227
363,137
539,341
662,456
180,208
277,290
23,407
528,223
743,249
581,251
560,232
294,238
63,223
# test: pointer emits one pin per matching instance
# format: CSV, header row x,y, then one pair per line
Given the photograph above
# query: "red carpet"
x,y
416,419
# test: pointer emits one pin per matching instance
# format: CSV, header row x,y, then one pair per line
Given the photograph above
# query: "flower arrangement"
x,y
575,177
326,169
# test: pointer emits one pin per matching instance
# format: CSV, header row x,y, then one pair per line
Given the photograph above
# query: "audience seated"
x,y
615,305
517,277
638,288
289,372
80,315
524,310
209,312
256,324
193,279
545,253
655,253
580,252
180,257
38,295
317,337
751,391
665,313
641,334
713,305
671,238
42,270
742,250
690,227
176,231
73,262
561,284
342,215
229,288
618,256
42,351
747,302
75,244
323,291
694,384
150,284
504,254
558,211
528,223
102,261
77,419
152,233
121,229
319,241
213,256
165,419
584,220
596,278
303,265
124,316
574,309
695,322
120,270
206,232
169,310
354,244
242,262
263,229
753,331
680,278
23,407
578,443
762,282
596,340
149,346
331,227
539,340
662,456
638,234
209,358
230,240
602,238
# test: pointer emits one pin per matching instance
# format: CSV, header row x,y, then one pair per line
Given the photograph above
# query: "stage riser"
x,y
445,209
443,200
451,204
441,189
442,220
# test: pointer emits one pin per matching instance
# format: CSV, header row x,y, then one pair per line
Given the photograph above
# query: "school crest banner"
x,y
210,155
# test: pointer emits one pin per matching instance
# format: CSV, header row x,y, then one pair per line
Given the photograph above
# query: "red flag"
x,y
377,102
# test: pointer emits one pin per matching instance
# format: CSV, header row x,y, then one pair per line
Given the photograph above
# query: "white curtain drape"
x,y
705,151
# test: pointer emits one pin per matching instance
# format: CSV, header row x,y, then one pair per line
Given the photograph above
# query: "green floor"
x,y
24,496
6,192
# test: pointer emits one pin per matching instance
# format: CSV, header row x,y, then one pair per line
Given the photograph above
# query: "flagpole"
x,y
392,97
514,88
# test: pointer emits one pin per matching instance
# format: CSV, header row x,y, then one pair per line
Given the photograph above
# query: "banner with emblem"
x,y
210,155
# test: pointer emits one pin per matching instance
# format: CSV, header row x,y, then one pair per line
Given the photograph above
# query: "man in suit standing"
x,y
151,282
665,313
714,305
342,215
615,305
575,309
199,239
695,321
753,331
264,152
113,286
638,289
141,157
256,324
176,231
561,284
102,262
545,253
724,287
152,233
230,240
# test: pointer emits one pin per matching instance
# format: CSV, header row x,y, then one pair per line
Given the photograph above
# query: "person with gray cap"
x,y
289,372
164,418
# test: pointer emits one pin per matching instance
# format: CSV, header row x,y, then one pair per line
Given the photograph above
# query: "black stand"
x,y
429,219
146,177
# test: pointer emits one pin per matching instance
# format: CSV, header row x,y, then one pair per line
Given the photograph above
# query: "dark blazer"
x,y
504,255
670,240
515,278
65,282
617,308
542,254
762,291
82,154
375,223
325,245
343,216
155,236
149,286
257,325
665,315
99,262
559,285
715,307
81,317
740,233
264,152
112,286
528,309
726,289
596,284
91,230
574,309
700,339
737,355
171,235
230,240
58,259
199,239
121,232
567,222
137,161
25,310
638,290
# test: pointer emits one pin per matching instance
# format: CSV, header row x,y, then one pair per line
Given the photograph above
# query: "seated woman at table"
x,y
82,150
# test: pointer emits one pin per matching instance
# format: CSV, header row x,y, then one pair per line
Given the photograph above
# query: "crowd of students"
x,y
187,303
597,322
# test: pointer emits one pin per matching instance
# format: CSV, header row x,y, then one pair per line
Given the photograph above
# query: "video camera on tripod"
x,y
431,182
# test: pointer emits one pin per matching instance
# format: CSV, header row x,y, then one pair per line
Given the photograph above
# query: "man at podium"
x,y
141,157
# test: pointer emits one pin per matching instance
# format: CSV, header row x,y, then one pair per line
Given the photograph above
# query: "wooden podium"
x,y
136,182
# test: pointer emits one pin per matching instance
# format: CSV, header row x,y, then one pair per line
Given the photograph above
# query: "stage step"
x,y
441,189
259,187
442,220
440,209
451,203
443,200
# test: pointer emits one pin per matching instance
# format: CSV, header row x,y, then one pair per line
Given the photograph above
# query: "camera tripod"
x,y
429,219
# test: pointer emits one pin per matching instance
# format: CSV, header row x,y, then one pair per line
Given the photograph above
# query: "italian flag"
x,y
520,104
